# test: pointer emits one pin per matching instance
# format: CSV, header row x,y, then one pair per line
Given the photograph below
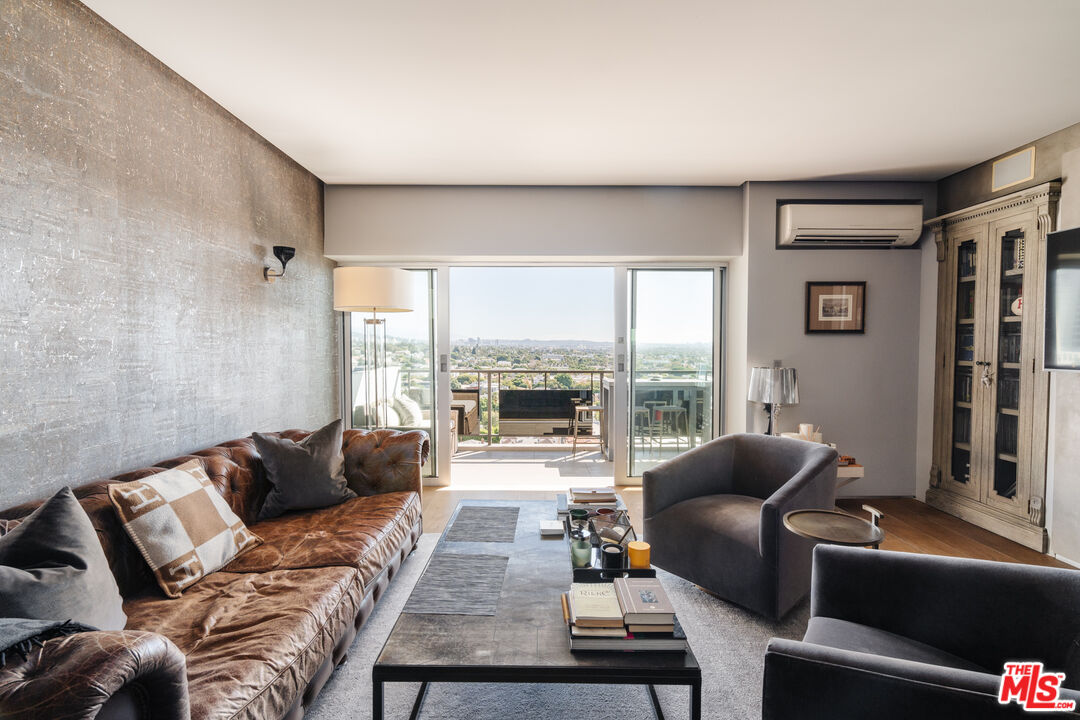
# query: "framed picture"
x,y
835,307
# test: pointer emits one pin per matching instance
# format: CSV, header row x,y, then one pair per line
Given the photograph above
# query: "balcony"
x,y
672,409
495,406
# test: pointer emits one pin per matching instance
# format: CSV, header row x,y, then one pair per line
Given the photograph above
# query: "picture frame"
x,y
835,307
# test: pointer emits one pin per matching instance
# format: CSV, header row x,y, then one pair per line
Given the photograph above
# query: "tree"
x,y
564,381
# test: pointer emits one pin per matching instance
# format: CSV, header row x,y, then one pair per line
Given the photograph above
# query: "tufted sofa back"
x,y
376,461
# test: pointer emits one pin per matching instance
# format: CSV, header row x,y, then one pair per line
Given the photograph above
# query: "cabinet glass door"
x,y
1011,356
964,417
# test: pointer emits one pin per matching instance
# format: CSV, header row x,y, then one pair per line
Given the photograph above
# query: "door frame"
x,y
620,417
719,384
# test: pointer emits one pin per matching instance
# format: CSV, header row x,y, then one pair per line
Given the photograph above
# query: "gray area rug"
x,y
729,643
484,524
440,590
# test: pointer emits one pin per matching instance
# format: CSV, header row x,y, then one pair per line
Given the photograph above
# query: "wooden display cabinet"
x,y
991,394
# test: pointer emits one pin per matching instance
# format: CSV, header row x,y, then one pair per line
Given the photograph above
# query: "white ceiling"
x,y
625,91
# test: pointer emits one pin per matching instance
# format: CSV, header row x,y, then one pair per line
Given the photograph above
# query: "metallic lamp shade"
x,y
774,385
372,289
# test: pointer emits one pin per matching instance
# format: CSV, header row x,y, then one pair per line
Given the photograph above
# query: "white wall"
x,y
861,389
373,223
735,331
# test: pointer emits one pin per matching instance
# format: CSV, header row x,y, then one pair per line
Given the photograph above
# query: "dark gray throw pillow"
x,y
306,474
52,567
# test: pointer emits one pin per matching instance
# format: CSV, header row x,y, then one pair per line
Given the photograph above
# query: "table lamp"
x,y
773,387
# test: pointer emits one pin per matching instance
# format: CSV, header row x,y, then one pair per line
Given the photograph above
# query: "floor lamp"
x,y
373,290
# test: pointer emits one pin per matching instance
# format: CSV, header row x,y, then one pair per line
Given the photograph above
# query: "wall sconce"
x,y
284,254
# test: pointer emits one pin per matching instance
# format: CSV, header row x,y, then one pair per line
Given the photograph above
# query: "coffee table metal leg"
x,y
695,700
419,702
655,703
376,699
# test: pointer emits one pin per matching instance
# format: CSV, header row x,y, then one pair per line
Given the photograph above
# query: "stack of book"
x,y
589,499
629,614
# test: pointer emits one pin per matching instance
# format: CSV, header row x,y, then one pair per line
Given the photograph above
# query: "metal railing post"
x,y
490,408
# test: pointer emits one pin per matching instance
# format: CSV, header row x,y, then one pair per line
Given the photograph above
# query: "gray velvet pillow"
x,y
52,567
306,474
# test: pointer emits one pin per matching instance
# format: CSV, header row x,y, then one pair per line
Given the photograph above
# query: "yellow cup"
x,y
639,554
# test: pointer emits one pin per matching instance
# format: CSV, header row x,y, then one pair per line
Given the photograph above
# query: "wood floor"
x,y
910,525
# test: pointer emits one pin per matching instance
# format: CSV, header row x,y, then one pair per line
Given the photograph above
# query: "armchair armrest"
x,y
807,681
382,461
813,487
74,677
705,470
994,611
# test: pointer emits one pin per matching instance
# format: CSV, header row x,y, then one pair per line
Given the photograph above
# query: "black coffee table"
x,y
525,641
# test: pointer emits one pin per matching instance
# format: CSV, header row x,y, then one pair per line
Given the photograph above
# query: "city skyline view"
x,y
564,305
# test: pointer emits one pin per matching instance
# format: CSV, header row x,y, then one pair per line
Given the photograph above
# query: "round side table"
x,y
835,527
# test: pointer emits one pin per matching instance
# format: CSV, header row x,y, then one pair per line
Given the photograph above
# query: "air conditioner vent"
x,y
850,225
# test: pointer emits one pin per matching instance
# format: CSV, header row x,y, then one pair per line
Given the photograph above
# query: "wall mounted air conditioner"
x,y
849,225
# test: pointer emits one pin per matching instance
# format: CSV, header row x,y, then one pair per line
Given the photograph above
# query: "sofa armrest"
x,y
382,461
705,470
994,612
807,681
75,677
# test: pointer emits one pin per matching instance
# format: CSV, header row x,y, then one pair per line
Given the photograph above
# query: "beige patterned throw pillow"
x,y
182,526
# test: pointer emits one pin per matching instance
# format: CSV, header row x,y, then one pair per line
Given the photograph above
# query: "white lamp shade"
x,y
773,385
372,289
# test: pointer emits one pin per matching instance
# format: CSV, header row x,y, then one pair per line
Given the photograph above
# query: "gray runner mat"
x,y
476,523
459,585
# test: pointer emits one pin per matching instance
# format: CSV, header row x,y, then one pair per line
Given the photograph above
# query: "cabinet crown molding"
x,y
1047,192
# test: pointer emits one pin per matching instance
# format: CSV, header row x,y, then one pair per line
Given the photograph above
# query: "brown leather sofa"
x,y
257,639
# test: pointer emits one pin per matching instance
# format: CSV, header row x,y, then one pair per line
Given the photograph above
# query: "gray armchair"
x,y
714,515
898,635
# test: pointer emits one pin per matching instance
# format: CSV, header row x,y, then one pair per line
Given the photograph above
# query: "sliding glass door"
x,y
408,372
673,350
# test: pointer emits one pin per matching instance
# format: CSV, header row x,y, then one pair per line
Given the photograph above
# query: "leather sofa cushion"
x,y
361,533
845,635
252,640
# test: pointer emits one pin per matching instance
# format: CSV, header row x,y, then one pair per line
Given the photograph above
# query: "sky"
x,y
563,303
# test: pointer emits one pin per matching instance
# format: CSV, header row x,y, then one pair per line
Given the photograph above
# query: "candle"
x,y
639,554
613,555
581,553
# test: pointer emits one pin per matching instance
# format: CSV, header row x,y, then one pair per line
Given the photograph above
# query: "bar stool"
x,y
579,411
646,414
669,417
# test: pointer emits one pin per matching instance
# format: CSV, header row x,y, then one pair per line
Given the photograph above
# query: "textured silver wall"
x,y
135,219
